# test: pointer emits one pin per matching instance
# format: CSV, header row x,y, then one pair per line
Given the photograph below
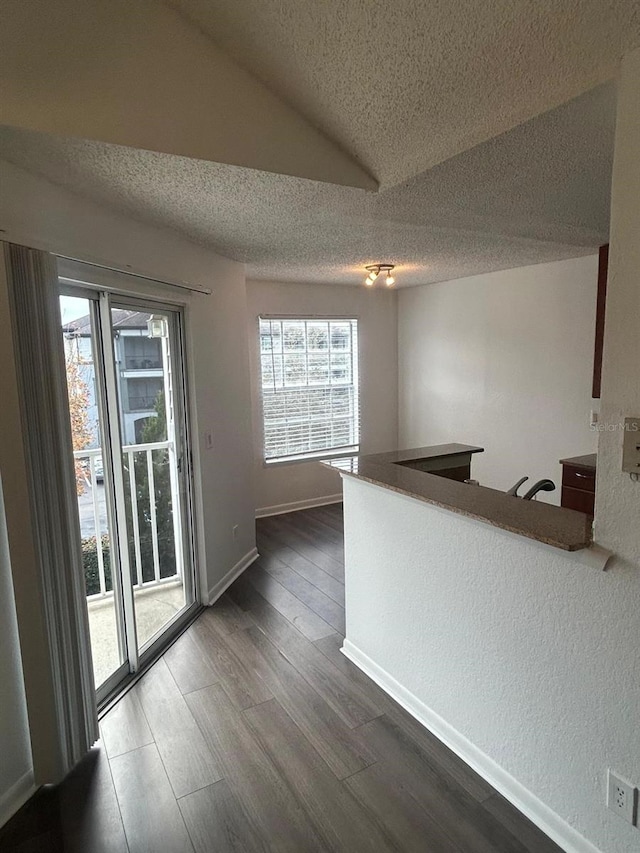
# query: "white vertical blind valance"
x,y
33,294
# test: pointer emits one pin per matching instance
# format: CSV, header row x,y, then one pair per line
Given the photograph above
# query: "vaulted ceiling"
x,y
488,126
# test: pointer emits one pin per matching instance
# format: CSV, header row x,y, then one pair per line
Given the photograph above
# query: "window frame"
x,y
327,453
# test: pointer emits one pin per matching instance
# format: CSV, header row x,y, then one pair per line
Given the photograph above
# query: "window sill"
x,y
321,456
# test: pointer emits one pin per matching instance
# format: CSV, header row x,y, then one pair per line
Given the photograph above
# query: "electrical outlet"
x,y
234,531
208,439
622,798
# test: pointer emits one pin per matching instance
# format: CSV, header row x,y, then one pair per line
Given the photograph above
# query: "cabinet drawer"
x,y
578,499
579,478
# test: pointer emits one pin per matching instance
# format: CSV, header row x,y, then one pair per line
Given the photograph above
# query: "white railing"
x,y
100,528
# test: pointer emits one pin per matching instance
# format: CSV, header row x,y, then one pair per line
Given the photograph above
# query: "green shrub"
x,y
90,562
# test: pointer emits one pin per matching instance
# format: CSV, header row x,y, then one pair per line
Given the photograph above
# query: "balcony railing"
x,y
93,474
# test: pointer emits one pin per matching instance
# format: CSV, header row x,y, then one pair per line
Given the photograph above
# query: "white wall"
x,y
525,660
37,213
617,498
376,311
504,361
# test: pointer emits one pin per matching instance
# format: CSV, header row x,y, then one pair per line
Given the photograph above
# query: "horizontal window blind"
x,y
309,370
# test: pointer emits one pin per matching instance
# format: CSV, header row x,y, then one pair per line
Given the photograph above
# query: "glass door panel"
x,y
146,374
85,408
125,383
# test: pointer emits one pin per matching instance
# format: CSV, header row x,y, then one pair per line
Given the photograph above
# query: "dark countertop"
x,y
552,525
589,461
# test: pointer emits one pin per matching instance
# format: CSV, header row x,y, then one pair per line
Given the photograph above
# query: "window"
x,y
309,373
142,394
142,353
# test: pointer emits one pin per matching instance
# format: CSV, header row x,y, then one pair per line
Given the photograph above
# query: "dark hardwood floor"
x,y
254,733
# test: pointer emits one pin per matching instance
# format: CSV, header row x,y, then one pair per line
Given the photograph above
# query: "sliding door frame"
x,y
102,299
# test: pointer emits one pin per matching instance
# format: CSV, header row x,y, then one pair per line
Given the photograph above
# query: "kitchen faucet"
x,y
541,486
544,485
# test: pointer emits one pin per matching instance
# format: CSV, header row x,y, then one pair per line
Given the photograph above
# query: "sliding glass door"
x,y
125,377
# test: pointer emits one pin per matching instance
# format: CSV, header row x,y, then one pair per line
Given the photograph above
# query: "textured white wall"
x,y
617,498
37,213
504,361
529,655
376,311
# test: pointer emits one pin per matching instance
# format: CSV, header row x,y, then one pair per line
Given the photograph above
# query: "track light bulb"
x,y
375,270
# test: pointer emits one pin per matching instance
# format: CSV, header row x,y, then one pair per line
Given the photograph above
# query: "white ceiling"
x,y
405,84
535,194
413,90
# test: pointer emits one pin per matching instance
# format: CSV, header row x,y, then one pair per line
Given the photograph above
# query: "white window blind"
x,y
310,399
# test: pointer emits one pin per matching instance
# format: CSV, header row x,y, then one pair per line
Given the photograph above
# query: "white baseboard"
x,y
280,509
217,589
538,813
16,796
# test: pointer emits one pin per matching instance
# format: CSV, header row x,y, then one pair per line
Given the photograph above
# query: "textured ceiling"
x,y
537,193
403,85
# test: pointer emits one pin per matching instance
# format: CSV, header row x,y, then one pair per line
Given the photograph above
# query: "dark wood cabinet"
x,y
579,483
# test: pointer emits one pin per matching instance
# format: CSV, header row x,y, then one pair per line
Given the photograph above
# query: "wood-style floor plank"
x,y
461,817
331,612
125,727
331,515
186,758
533,838
308,622
336,815
226,616
315,524
243,685
314,536
408,826
267,799
342,748
291,536
89,810
244,594
352,704
150,814
255,733
438,753
217,822
308,570
189,667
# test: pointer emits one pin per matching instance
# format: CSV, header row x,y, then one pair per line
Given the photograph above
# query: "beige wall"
x,y
504,361
376,311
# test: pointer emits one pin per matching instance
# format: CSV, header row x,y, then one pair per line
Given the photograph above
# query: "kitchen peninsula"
x,y
456,598
436,475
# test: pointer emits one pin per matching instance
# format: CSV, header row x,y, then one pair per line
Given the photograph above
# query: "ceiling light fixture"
x,y
374,271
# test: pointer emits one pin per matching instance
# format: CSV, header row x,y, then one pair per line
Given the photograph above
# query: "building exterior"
x,y
139,364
